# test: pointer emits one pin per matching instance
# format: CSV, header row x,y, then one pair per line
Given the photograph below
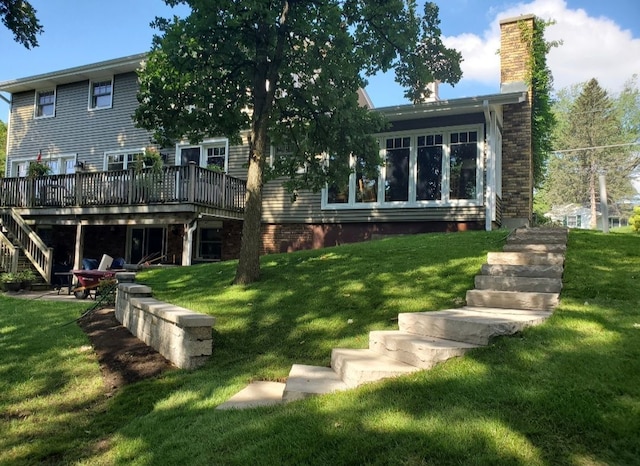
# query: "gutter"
x,y
5,99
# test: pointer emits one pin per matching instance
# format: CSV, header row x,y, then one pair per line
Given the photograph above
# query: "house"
x,y
579,216
449,165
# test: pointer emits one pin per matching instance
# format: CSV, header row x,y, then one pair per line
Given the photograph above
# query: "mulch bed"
x,y
123,358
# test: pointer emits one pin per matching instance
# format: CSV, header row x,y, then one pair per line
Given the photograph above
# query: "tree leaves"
x,y
20,18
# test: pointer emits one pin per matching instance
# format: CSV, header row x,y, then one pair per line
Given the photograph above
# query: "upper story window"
x,y
45,103
101,94
211,153
420,168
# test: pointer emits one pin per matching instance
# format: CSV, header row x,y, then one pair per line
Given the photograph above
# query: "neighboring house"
x,y
450,165
579,216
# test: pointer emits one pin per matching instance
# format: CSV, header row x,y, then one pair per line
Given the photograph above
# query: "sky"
x,y
601,39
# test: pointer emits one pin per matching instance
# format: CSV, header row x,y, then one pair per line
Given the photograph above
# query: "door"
x,y
147,242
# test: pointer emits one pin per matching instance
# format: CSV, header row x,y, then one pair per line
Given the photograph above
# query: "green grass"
x,y
566,392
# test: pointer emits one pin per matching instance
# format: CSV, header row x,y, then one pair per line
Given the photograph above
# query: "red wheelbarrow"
x,y
89,280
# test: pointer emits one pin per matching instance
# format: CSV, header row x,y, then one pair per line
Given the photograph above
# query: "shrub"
x,y
634,221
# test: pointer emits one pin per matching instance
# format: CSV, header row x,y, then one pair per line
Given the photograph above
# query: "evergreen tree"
x,y
591,139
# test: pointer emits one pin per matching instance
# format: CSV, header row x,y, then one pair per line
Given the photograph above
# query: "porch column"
x,y
77,261
187,242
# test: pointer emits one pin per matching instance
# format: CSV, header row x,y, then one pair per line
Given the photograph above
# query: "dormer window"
x,y
101,93
45,104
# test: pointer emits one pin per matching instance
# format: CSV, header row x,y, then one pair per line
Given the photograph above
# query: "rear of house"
x,y
449,165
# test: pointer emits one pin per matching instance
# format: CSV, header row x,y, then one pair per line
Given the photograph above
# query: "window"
x,y
100,94
60,164
121,159
210,153
396,186
424,167
573,221
462,165
45,104
210,244
429,167
217,157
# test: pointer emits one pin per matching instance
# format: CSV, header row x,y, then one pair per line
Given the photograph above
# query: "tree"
x,y
20,18
287,72
3,147
593,136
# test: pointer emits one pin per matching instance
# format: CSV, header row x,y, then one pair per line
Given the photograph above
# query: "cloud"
x,y
593,47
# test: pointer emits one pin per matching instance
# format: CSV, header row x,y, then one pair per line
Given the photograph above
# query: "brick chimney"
x,y
517,151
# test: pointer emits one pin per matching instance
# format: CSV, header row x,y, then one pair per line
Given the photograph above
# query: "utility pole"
x,y
604,207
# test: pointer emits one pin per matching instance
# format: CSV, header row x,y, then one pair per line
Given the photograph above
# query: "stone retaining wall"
x,y
182,336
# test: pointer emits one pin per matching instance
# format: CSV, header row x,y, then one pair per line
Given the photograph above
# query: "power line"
x,y
597,147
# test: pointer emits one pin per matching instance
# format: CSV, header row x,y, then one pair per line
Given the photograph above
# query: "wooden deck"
x,y
175,185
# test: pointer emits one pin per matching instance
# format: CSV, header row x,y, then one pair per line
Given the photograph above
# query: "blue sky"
x,y
601,40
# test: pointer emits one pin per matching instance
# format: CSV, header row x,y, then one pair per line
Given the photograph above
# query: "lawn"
x,y
567,392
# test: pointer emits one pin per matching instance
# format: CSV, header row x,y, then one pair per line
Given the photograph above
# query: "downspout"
x,y
6,149
187,242
490,191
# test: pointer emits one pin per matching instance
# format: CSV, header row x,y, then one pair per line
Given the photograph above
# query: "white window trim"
x,y
13,163
35,104
135,150
272,158
90,101
203,146
412,203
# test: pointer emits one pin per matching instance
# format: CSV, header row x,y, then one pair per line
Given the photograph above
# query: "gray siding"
x,y
75,129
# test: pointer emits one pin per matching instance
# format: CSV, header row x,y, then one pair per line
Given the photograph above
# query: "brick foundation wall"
x,y
294,237
517,153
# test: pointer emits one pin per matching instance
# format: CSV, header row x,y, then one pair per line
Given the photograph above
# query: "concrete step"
x,y
512,299
476,326
525,258
535,247
420,351
541,232
528,284
358,366
255,394
540,271
305,381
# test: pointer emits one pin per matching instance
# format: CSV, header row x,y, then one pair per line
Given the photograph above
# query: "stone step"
x,y
305,381
261,393
528,284
535,247
420,351
525,258
512,299
541,232
358,366
470,325
541,271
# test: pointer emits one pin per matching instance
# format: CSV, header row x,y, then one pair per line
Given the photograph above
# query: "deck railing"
x,y
174,184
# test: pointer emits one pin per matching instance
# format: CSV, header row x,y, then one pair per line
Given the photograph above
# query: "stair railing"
x,y
8,255
38,253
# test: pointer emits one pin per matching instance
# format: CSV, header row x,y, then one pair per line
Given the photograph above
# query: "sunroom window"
x,y
421,168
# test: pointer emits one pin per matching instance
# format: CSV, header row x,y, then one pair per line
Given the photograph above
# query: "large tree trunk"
x,y
248,269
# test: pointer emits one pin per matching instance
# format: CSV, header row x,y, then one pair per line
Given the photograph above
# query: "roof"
x,y
451,106
89,72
